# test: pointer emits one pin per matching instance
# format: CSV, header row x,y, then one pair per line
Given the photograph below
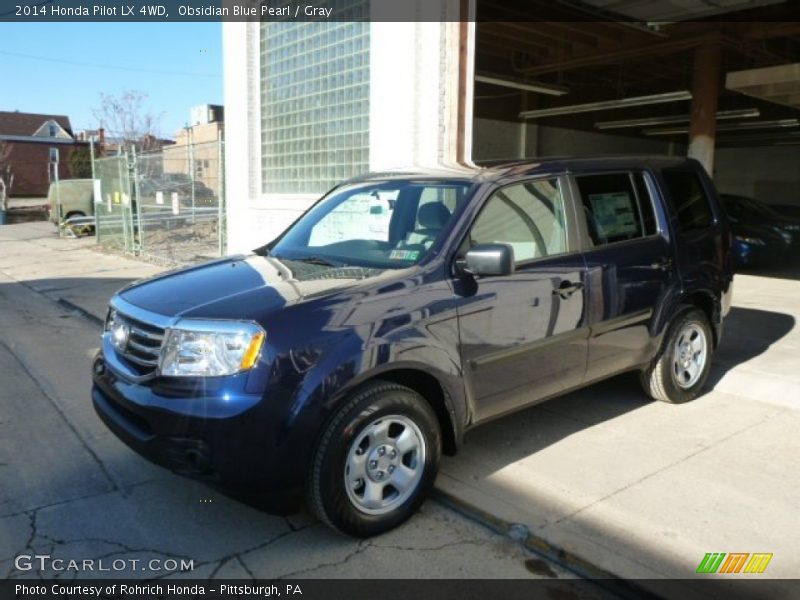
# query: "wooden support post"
x,y
463,83
705,94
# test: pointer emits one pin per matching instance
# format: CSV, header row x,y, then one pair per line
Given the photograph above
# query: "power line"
x,y
114,67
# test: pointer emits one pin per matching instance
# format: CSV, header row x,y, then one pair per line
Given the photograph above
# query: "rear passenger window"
x,y
528,216
689,198
617,207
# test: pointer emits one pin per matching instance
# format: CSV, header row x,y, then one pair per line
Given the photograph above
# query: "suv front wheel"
x,y
376,461
680,370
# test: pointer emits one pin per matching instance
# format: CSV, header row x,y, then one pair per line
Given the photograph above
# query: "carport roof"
x,y
599,51
655,11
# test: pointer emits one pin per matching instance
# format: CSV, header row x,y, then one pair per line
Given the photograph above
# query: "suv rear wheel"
x,y
376,461
681,368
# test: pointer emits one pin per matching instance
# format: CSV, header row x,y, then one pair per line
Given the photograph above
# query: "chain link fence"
x,y
167,205
113,206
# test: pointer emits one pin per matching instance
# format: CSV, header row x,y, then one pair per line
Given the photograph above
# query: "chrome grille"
x,y
144,343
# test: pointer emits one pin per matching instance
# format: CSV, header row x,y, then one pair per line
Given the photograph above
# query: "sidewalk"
x,y
69,270
603,478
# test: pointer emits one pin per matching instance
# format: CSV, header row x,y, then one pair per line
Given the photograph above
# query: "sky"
x,y
62,68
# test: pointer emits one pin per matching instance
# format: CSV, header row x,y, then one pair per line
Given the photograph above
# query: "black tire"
x,y
367,408
664,379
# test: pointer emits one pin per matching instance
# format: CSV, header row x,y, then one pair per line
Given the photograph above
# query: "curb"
x,y
622,588
82,311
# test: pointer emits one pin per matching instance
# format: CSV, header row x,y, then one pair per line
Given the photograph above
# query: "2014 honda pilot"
x,y
340,360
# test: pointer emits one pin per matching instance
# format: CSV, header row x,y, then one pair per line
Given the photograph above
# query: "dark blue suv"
x,y
402,309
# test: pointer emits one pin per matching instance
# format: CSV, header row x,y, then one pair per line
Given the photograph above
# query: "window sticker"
x,y
404,254
614,213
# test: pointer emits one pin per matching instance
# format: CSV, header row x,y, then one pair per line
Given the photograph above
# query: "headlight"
x,y
119,329
210,348
750,240
792,227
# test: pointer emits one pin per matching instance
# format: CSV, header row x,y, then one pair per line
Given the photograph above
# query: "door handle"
x,y
567,288
665,264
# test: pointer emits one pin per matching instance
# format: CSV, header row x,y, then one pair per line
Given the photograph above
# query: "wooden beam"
x,y
763,31
554,31
637,52
483,33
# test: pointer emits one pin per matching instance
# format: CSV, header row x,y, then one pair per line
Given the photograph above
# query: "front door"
x,y
524,336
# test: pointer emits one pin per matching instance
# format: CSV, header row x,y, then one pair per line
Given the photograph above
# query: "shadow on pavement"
x,y
748,333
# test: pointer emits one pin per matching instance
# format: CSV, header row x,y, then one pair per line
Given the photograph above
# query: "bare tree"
x,y
126,118
6,175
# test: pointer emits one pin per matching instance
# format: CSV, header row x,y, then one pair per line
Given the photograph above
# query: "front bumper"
x,y
212,430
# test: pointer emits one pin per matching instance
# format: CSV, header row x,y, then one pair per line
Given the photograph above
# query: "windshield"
x,y
390,224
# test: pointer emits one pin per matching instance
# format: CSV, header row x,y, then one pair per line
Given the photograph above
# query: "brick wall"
x,y
30,165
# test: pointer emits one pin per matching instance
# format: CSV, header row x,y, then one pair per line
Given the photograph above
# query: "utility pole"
x,y
190,150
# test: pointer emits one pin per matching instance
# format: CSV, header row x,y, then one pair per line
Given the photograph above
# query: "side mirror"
x,y
489,259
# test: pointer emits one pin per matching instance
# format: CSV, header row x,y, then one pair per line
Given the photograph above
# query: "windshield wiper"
x,y
316,260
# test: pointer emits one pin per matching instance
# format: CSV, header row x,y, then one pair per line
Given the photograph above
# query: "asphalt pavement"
x,y
71,490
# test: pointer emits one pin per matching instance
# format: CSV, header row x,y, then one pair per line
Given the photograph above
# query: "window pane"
x,y
377,224
611,208
689,199
312,75
529,216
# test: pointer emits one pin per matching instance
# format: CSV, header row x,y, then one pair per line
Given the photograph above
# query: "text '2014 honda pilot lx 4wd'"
x,y
341,359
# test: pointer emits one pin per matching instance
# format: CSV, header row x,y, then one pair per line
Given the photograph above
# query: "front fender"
x,y
349,365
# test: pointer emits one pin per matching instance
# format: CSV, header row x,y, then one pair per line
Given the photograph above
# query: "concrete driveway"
x,y
603,479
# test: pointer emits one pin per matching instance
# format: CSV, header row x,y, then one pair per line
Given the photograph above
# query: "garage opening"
x,y
719,82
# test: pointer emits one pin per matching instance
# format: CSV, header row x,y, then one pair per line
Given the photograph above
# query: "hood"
x,y
239,287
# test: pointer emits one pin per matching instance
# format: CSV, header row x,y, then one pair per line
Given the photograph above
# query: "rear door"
x,y
700,227
630,263
523,336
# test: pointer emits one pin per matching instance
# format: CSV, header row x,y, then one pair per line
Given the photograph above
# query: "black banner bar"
x,y
746,588
154,11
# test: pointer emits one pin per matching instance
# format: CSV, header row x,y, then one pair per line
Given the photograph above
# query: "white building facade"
x,y
308,105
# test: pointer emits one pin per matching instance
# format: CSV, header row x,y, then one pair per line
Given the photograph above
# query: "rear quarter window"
x,y
689,198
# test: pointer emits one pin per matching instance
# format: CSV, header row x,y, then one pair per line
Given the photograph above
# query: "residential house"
x,y
40,144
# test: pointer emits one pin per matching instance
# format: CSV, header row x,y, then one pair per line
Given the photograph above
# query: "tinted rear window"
x,y
689,198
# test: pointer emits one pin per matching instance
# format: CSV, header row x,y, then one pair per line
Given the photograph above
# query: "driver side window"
x,y
529,216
